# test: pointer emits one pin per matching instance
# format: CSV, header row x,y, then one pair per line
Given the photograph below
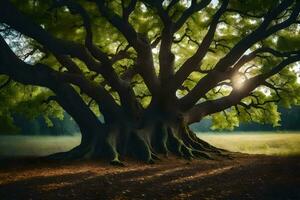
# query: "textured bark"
x,y
150,139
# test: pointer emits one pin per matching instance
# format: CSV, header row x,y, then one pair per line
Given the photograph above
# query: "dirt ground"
x,y
244,177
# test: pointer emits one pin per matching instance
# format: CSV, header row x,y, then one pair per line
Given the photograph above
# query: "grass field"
x,y
282,144
253,143
36,145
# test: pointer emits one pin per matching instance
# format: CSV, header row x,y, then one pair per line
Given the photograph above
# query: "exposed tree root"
x,y
112,151
146,144
143,148
187,149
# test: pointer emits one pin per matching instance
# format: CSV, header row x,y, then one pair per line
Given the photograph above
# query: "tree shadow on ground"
x,y
247,178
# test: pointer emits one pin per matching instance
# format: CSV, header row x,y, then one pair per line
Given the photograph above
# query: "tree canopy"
x,y
174,60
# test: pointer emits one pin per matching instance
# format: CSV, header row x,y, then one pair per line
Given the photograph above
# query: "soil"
x,y
244,177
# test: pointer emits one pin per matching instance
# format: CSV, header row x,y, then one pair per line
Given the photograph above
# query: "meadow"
x,y
274,143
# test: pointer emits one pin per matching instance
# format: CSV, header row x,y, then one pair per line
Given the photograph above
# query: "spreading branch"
x,y
193,62
220,71
235,97
137,41
195,7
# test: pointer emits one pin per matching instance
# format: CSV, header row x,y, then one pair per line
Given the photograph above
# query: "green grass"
x,y
253,143
36,145
282,144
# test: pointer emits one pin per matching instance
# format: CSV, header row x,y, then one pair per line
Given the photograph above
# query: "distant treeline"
x,y
67,126
290,121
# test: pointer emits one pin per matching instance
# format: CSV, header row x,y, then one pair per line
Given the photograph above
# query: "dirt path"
x,y
245,177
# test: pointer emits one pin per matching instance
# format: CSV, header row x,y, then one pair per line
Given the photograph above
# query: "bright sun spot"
x,y
238,81
155,50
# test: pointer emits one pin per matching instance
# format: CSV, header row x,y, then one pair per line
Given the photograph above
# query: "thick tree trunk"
x,y
150,139
90,127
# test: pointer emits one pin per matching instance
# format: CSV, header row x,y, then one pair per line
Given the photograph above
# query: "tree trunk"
x,y
150,139
90,127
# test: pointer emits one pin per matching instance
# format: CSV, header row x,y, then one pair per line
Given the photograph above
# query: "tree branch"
x,y
129,9
163,14
193,62
166,57
12,17
171,5
258,34
195,7
137,41
43,75
105,68
237,51
235,97
76,8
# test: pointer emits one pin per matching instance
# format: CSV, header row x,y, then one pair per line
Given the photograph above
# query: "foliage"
x,y
63,23
27,101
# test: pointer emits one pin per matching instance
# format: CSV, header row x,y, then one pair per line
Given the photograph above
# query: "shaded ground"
x,y
245,177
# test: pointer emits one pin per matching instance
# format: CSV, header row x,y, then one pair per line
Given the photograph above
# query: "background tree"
x,y
151,68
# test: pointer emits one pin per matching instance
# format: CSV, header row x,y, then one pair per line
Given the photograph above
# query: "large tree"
x,y
150,68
